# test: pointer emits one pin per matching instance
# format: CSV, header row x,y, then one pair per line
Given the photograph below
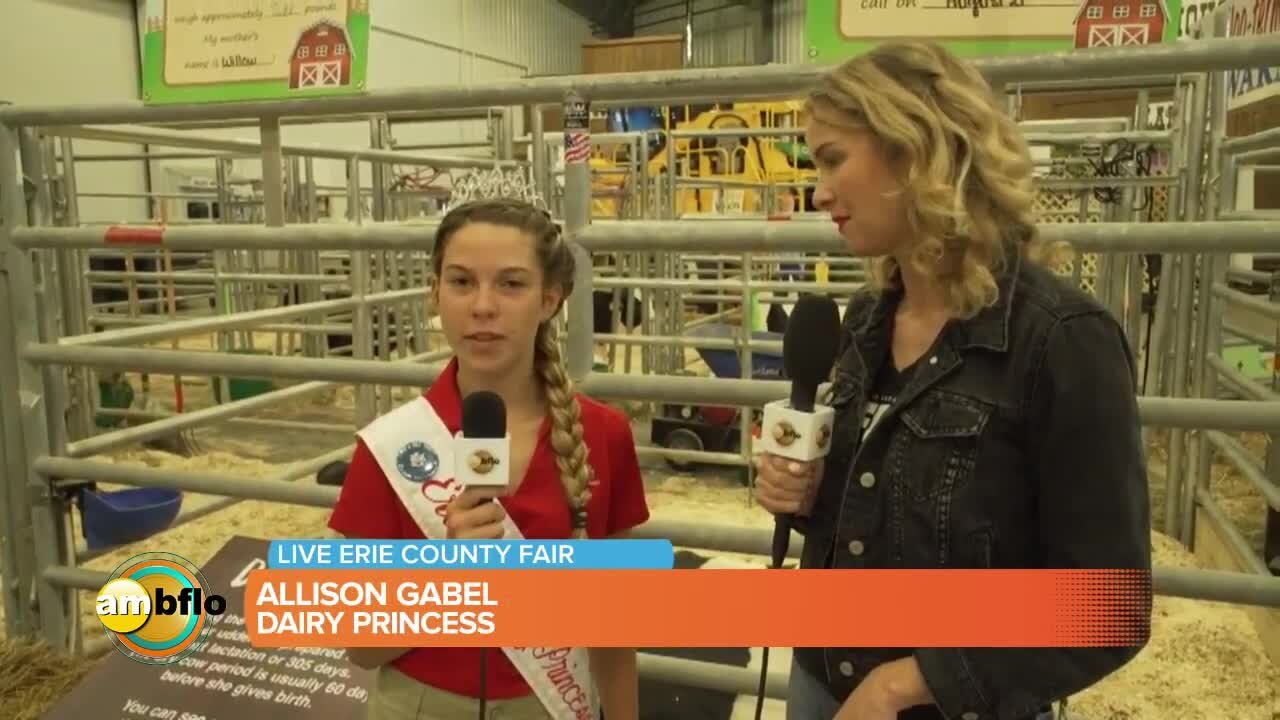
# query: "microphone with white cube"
x,y
482,458
482,449
799,428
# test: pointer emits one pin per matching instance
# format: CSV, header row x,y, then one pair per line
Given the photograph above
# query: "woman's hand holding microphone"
x,y
786,486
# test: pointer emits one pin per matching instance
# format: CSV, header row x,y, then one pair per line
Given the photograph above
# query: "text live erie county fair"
x,y
316,591
409,554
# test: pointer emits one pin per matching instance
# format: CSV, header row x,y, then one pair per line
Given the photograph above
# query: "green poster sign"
x,y
201,51
840,29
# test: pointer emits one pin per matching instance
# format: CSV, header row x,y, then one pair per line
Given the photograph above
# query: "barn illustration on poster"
x,y
321,58
1112,23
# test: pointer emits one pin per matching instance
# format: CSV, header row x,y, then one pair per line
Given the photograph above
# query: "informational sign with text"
x,y
220,50
226,678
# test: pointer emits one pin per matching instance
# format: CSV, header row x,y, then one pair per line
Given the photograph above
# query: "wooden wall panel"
x,y
637,54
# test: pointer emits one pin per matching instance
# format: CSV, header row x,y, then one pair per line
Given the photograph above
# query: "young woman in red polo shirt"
x,y
502,271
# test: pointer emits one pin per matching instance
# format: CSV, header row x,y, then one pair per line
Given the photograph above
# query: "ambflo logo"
x,y
157,608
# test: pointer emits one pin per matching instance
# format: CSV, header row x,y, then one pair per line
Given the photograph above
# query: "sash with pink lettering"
x,y
414,449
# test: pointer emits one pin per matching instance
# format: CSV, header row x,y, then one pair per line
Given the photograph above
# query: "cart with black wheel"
x,y
713,428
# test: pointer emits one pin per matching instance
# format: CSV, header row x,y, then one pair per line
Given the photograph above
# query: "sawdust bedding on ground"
x,y
1205,660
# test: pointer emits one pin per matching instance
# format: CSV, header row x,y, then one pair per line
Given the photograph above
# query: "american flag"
x,y
577,147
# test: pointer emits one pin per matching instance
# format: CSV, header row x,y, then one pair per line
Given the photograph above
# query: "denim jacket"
x,y
1015,444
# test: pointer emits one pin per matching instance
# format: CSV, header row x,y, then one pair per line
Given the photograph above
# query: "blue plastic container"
x,y
726,364
124,516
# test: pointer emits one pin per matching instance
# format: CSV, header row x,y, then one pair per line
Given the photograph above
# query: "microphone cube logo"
x,y
824,436
157,608
785,433
482,462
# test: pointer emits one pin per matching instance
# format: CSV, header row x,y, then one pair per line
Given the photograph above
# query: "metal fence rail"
x,y
47,321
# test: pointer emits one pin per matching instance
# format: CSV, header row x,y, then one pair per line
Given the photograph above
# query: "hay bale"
x,y
34,676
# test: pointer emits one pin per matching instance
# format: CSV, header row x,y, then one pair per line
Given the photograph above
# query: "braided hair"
x,y
558,265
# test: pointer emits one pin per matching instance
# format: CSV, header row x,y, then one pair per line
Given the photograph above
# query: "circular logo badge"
x,y
482,462
784,433
157,608
417,461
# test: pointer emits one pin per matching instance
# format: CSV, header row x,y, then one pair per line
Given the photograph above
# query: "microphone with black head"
x,y
482,449
799,428
482,458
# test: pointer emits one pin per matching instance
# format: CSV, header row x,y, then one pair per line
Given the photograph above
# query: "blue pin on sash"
x,y
417,462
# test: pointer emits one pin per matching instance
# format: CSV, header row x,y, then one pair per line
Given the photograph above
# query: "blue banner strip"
x,y
471,554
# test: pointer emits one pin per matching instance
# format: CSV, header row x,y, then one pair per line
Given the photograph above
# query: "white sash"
x,y
414,449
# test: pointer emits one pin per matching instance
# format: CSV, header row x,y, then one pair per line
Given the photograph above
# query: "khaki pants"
x,y
396,696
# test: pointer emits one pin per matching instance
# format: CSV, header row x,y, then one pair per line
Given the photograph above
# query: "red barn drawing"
x,y
1108,23
321,58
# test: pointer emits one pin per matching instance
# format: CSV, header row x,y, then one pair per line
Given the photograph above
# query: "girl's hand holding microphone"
x,y
475,514
784,485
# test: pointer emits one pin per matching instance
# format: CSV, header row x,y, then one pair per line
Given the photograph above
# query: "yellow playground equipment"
x,y
738,172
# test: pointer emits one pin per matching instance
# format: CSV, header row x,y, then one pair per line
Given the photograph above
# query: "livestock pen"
x,y
272,410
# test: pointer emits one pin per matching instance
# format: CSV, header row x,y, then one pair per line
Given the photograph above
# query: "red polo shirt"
x,y
369,508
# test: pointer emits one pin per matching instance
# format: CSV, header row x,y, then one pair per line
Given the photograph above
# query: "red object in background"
x,y
132,235
719,415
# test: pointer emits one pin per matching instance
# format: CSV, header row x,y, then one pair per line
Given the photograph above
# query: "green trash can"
x,y
114,393
240,388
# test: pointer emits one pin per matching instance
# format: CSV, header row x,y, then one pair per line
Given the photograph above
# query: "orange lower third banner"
x,y
721,608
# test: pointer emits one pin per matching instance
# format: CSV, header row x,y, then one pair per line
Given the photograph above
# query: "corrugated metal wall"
x,y
790,41
729,34
83,52
480,40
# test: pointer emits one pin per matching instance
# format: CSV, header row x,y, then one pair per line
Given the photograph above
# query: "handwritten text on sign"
x,y
957,18
219,41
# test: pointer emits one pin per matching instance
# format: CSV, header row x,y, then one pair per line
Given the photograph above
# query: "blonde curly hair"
x,y
966,168
558,265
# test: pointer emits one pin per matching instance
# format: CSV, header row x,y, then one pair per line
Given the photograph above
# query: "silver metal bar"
x,y
671,87
191,277
330,329
417,235
1253,303
729,236
189,481
730,285
252,318
1247,387
254,422
169,138
1237,543
732,236
1240,456
207,363
37,520
737,132
577,216
773,346
1061,184
1135,136
1263,140
185,421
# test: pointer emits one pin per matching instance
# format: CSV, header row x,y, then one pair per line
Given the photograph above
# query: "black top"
x,y
1014,442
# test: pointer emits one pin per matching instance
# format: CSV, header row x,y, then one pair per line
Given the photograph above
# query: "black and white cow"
x,y
660,700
